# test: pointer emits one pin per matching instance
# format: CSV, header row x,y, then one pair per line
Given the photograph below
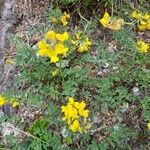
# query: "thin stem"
x,y
112,9
61,73
88,22
28,134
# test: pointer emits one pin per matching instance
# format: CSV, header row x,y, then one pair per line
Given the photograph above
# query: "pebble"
x,y
136,91
97,120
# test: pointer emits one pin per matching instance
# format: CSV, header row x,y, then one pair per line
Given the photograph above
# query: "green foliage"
x,y
102,78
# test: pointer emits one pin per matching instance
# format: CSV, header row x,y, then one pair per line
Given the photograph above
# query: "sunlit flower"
x,y
73,114
42,48
142,46
143,25
2,101
53,46
51,35
42,44
71,100
62,37
15,104
64,19
113,24
61,49
75,126
116,24
146,16
143,20
105,20
136,15
84,46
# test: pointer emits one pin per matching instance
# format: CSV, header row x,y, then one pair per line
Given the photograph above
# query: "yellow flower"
x,y
142,46
42,52
75,126
73,112
143,25
63,108
52,54
114,24
136,15
64,19
88,42
71,100
148,125
82,105
67,15
146,16
54,59
84,113
15,104
9,61
78,35
143,20
51,35
42,48
84,46
70,112
105,20
2,101
77,105
62,37
42,44
61,49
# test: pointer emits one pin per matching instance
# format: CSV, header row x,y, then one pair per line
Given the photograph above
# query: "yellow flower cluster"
x,y
62,20
144,20
53,45
113,24
81,46
4,101
74,112
142,46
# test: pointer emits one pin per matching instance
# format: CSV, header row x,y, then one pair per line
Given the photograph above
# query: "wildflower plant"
x,y
143,20
53,45
76,115
112,23
81,42
142,46
12,101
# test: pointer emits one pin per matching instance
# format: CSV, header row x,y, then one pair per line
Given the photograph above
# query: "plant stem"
x,y
61,73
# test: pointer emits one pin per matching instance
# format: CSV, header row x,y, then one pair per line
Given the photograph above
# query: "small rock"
x,y
106,65
97,120
7,129
136,91
64,132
